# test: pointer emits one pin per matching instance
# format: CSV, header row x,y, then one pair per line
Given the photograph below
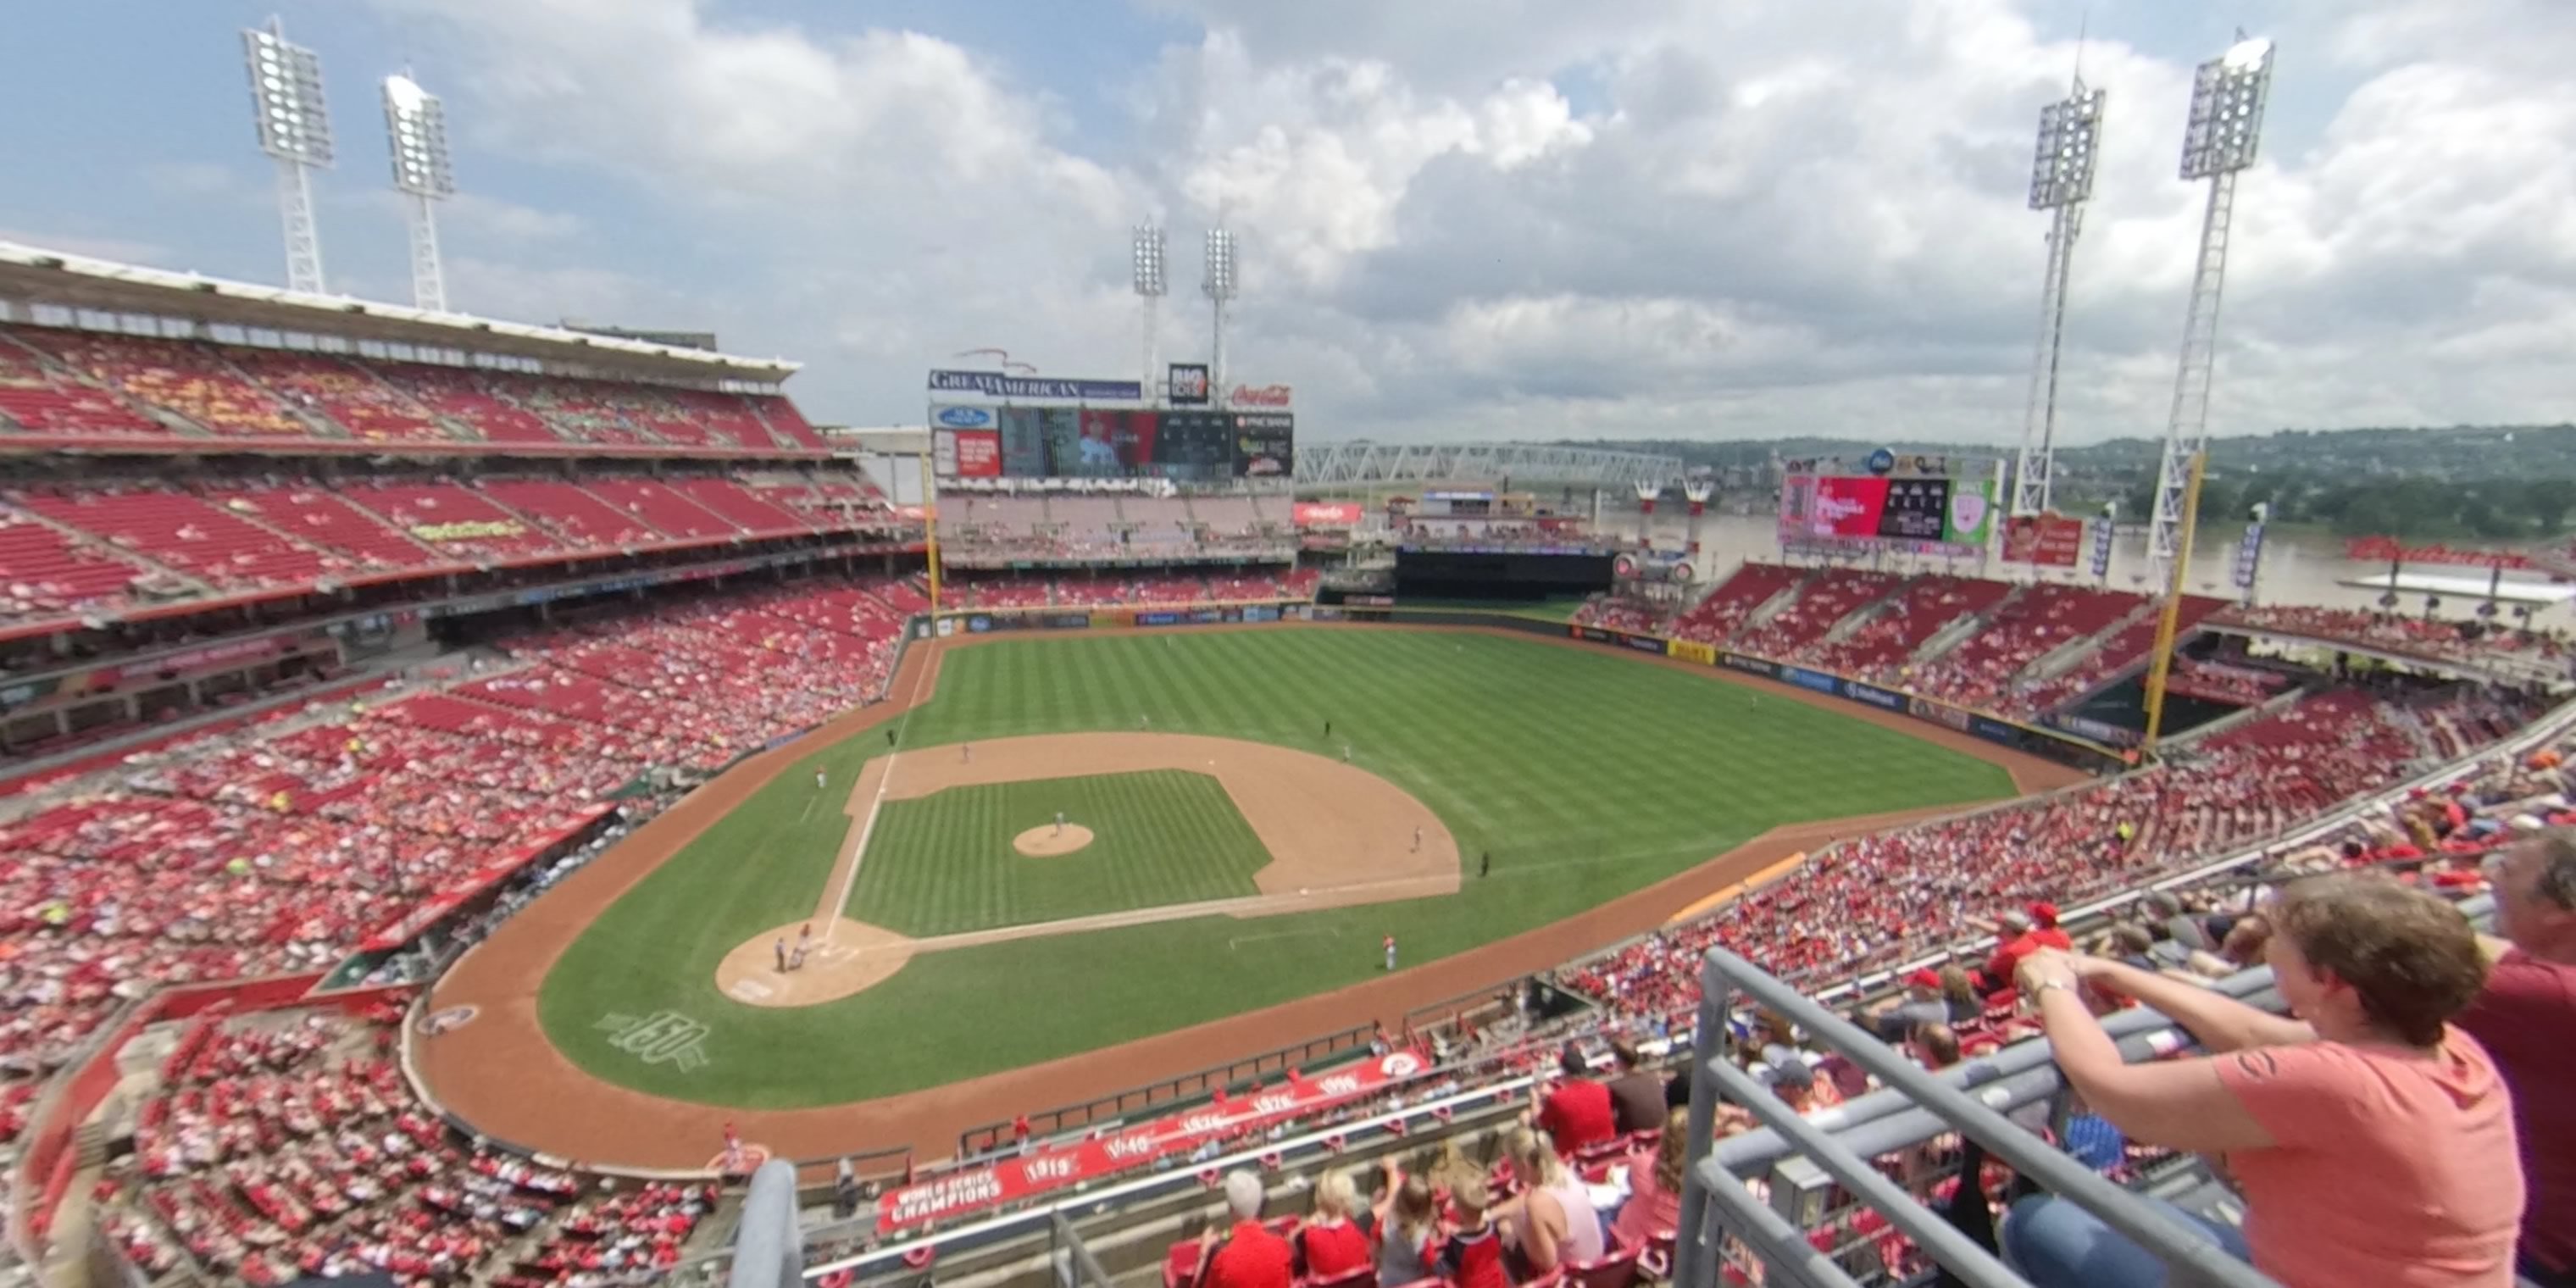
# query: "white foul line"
x,y
832,919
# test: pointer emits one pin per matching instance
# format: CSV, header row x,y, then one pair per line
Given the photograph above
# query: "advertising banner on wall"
x,y
1692,651
1817,680
978,454
1748,665
943,453
2049,540
964,418
1041,1171
1188,384
995,384
1868,695
1327,514
1970,520
1940,713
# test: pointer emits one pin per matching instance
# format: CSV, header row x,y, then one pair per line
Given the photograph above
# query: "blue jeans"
x,y
2055,1244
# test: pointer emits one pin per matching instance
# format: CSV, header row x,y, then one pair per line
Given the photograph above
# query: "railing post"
x,y
1708,1042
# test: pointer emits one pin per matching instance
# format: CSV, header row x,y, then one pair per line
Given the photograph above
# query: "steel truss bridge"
x,y
1345,464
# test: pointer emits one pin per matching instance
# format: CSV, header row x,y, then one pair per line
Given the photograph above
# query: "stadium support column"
x,y
2169,621
2219,142
1697,494
2061,178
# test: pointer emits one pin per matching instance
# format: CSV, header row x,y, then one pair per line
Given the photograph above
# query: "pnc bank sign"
x,y
1259,396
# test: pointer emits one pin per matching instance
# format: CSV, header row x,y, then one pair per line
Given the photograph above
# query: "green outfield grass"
x,y
1587,775
943,863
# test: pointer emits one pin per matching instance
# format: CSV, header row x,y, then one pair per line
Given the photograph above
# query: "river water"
x,y
2297,568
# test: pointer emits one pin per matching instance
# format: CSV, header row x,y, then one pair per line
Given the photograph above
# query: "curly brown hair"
x,y
2411,959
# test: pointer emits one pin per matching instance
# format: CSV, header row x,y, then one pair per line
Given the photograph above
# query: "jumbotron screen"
x,y
1084,442
1858,509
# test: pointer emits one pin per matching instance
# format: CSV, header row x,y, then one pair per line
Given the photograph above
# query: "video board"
x,y
1853,510
1090,442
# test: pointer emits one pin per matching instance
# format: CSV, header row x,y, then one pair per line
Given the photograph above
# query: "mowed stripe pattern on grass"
x,y
1587,775
943,863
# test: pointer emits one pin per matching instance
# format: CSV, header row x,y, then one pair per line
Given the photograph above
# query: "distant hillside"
x,y
2482,482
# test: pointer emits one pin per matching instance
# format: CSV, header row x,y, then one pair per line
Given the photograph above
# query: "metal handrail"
x,y
2179,1247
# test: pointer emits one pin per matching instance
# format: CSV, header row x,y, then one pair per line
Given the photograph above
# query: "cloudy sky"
x,y
1458,218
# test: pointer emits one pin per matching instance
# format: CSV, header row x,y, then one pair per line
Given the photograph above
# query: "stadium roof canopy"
x,y
43,278
1329,464
2536,593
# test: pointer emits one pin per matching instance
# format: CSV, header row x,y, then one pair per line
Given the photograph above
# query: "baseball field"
x,y
1472,786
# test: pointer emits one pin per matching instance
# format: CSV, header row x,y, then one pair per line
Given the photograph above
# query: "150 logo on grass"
x,y
664,1037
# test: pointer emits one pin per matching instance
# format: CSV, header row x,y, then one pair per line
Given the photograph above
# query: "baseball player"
x,y
1417,838
1059,822
781,947
889,737
818,780
966,753
1390,952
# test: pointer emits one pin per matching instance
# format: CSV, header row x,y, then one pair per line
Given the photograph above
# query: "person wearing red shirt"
x,y
1248,1256
1578,1112
1330,1243
2013,942
2526,1019
2044,929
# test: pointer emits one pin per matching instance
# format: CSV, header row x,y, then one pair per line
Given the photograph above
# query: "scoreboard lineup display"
x,y
1916,509
1094,442
1927,513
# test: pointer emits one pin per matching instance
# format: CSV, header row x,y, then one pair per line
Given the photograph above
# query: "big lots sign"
x,y
1259,396
1033,1174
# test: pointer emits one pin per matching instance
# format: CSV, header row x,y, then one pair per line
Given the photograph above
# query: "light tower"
x,y
295,132
1220,291
2061,177
416,129
1151,286
2227,96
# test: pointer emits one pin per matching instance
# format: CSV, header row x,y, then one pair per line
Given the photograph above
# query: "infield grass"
x,y
1586,775
943,863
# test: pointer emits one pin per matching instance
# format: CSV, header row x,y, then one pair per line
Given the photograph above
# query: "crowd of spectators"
x,y
281,1145
87,384
1621,613
1112,591
278,847
102,545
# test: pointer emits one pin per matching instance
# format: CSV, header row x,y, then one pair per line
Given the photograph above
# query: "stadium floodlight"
x,y
2227,98
1219,287
416,131
2061,177
1150,289
2219,143
294,127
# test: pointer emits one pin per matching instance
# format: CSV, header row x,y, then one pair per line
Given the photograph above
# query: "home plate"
x,y
750,990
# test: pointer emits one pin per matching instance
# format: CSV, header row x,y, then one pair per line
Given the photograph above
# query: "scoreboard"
x,y
1934,514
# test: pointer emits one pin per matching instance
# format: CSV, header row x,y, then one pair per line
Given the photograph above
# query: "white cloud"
x,y
1521,218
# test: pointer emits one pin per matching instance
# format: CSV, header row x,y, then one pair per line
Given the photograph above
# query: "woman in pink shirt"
x,y
2373,1143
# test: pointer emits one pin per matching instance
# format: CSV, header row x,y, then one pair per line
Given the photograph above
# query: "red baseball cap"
x,y
1923,979
2044,912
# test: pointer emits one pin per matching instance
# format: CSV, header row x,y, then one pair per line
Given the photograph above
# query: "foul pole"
x,y
2169,623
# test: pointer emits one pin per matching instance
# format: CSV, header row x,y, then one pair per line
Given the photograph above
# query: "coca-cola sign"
x,y
1260,396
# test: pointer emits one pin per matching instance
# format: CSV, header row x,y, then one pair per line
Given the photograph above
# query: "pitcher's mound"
x,y
852,956
1046,842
